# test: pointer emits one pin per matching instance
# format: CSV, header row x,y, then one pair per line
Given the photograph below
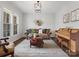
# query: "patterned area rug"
x,y
50,49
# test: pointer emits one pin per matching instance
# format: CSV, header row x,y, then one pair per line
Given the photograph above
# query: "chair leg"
x,y
41,46
30,45
12,54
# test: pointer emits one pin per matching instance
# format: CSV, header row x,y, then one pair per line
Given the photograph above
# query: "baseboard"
x,y
18,41
53,38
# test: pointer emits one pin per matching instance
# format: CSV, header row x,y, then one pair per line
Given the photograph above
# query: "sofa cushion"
x,y
64,31
1,51
10,47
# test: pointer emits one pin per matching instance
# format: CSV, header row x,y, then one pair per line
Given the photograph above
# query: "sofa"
x,y
68,40
45,33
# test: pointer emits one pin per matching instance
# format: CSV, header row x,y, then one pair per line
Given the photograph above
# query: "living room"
x,y
53,23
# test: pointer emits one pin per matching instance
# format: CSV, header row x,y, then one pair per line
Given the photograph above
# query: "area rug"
x,y
50,49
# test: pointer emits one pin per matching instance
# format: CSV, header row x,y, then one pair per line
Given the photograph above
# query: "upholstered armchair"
x,y
45,34
6,48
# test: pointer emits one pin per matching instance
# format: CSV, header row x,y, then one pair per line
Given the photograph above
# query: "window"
x,y
14,25
6,24
10,24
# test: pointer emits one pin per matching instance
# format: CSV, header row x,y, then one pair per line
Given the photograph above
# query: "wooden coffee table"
x,y
37,41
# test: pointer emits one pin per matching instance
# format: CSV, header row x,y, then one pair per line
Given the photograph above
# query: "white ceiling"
x,y
47,6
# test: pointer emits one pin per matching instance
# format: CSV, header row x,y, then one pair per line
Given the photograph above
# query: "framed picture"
x,y
77,14
66,18
73,15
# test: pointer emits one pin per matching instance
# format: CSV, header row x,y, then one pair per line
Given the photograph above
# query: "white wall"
x,y
48,21
14,10
67,7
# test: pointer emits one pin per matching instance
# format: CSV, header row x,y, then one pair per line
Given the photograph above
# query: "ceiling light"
x,y
37,7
